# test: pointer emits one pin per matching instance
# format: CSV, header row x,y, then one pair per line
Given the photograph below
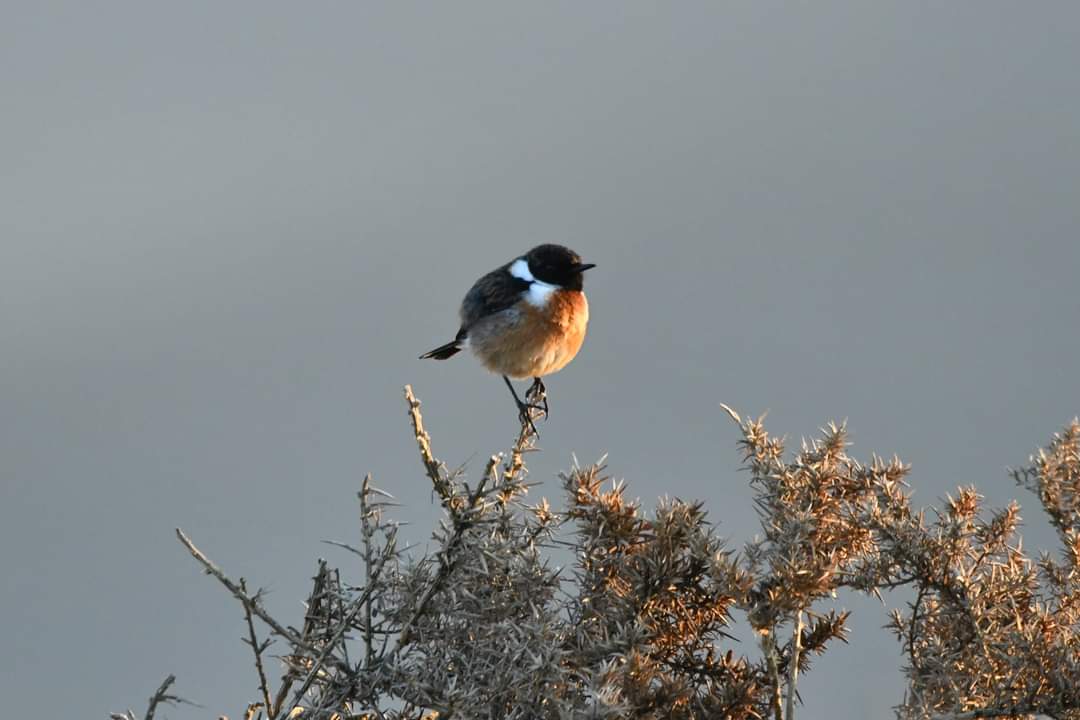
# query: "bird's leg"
x,y
538,394
524,409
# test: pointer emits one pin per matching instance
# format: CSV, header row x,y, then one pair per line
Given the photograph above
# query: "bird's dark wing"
x,y
495,292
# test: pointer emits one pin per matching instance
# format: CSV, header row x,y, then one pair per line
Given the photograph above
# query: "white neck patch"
x,y
520,269
539,292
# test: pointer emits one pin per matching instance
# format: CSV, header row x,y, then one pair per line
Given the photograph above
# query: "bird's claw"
x,y
537,395
526,419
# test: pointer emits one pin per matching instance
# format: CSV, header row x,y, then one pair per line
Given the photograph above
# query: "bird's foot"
x,y
537,395
525,409
525,416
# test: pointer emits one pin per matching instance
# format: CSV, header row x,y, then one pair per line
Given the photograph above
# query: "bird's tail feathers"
x,y
443,351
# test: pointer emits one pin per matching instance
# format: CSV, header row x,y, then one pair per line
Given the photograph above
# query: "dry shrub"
x,y
486,627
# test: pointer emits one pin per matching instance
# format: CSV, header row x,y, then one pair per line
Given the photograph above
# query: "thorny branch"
x,y
293,670
257,649
368,530
249,602
462,510
160,696
484,627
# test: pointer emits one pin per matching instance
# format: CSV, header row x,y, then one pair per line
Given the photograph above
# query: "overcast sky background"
x,y
227,231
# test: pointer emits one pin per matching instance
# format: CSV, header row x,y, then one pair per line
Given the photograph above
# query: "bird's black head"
x,y
557,265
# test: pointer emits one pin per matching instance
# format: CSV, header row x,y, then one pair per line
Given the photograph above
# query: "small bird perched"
x,y
525,319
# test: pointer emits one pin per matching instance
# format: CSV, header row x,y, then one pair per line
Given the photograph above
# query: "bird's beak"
x,y
582,267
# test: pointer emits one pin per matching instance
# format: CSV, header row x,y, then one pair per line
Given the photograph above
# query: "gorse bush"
x,y
486,627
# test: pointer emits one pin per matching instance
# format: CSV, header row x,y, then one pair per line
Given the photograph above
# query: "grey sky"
x,y
227,231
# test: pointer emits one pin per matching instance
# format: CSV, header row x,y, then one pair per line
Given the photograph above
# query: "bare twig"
x,y
525,442
768,646
445,491
446,566
912,629
433,467
257,649
248,601
343,626
290,675
367,531
162,696
343,621
793,665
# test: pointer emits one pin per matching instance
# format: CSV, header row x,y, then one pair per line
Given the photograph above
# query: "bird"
x,y
525,319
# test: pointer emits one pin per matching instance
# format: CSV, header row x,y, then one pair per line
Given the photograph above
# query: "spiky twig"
x,y
257,649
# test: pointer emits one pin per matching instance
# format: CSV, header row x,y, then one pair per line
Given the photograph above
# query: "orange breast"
x,y
533,341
